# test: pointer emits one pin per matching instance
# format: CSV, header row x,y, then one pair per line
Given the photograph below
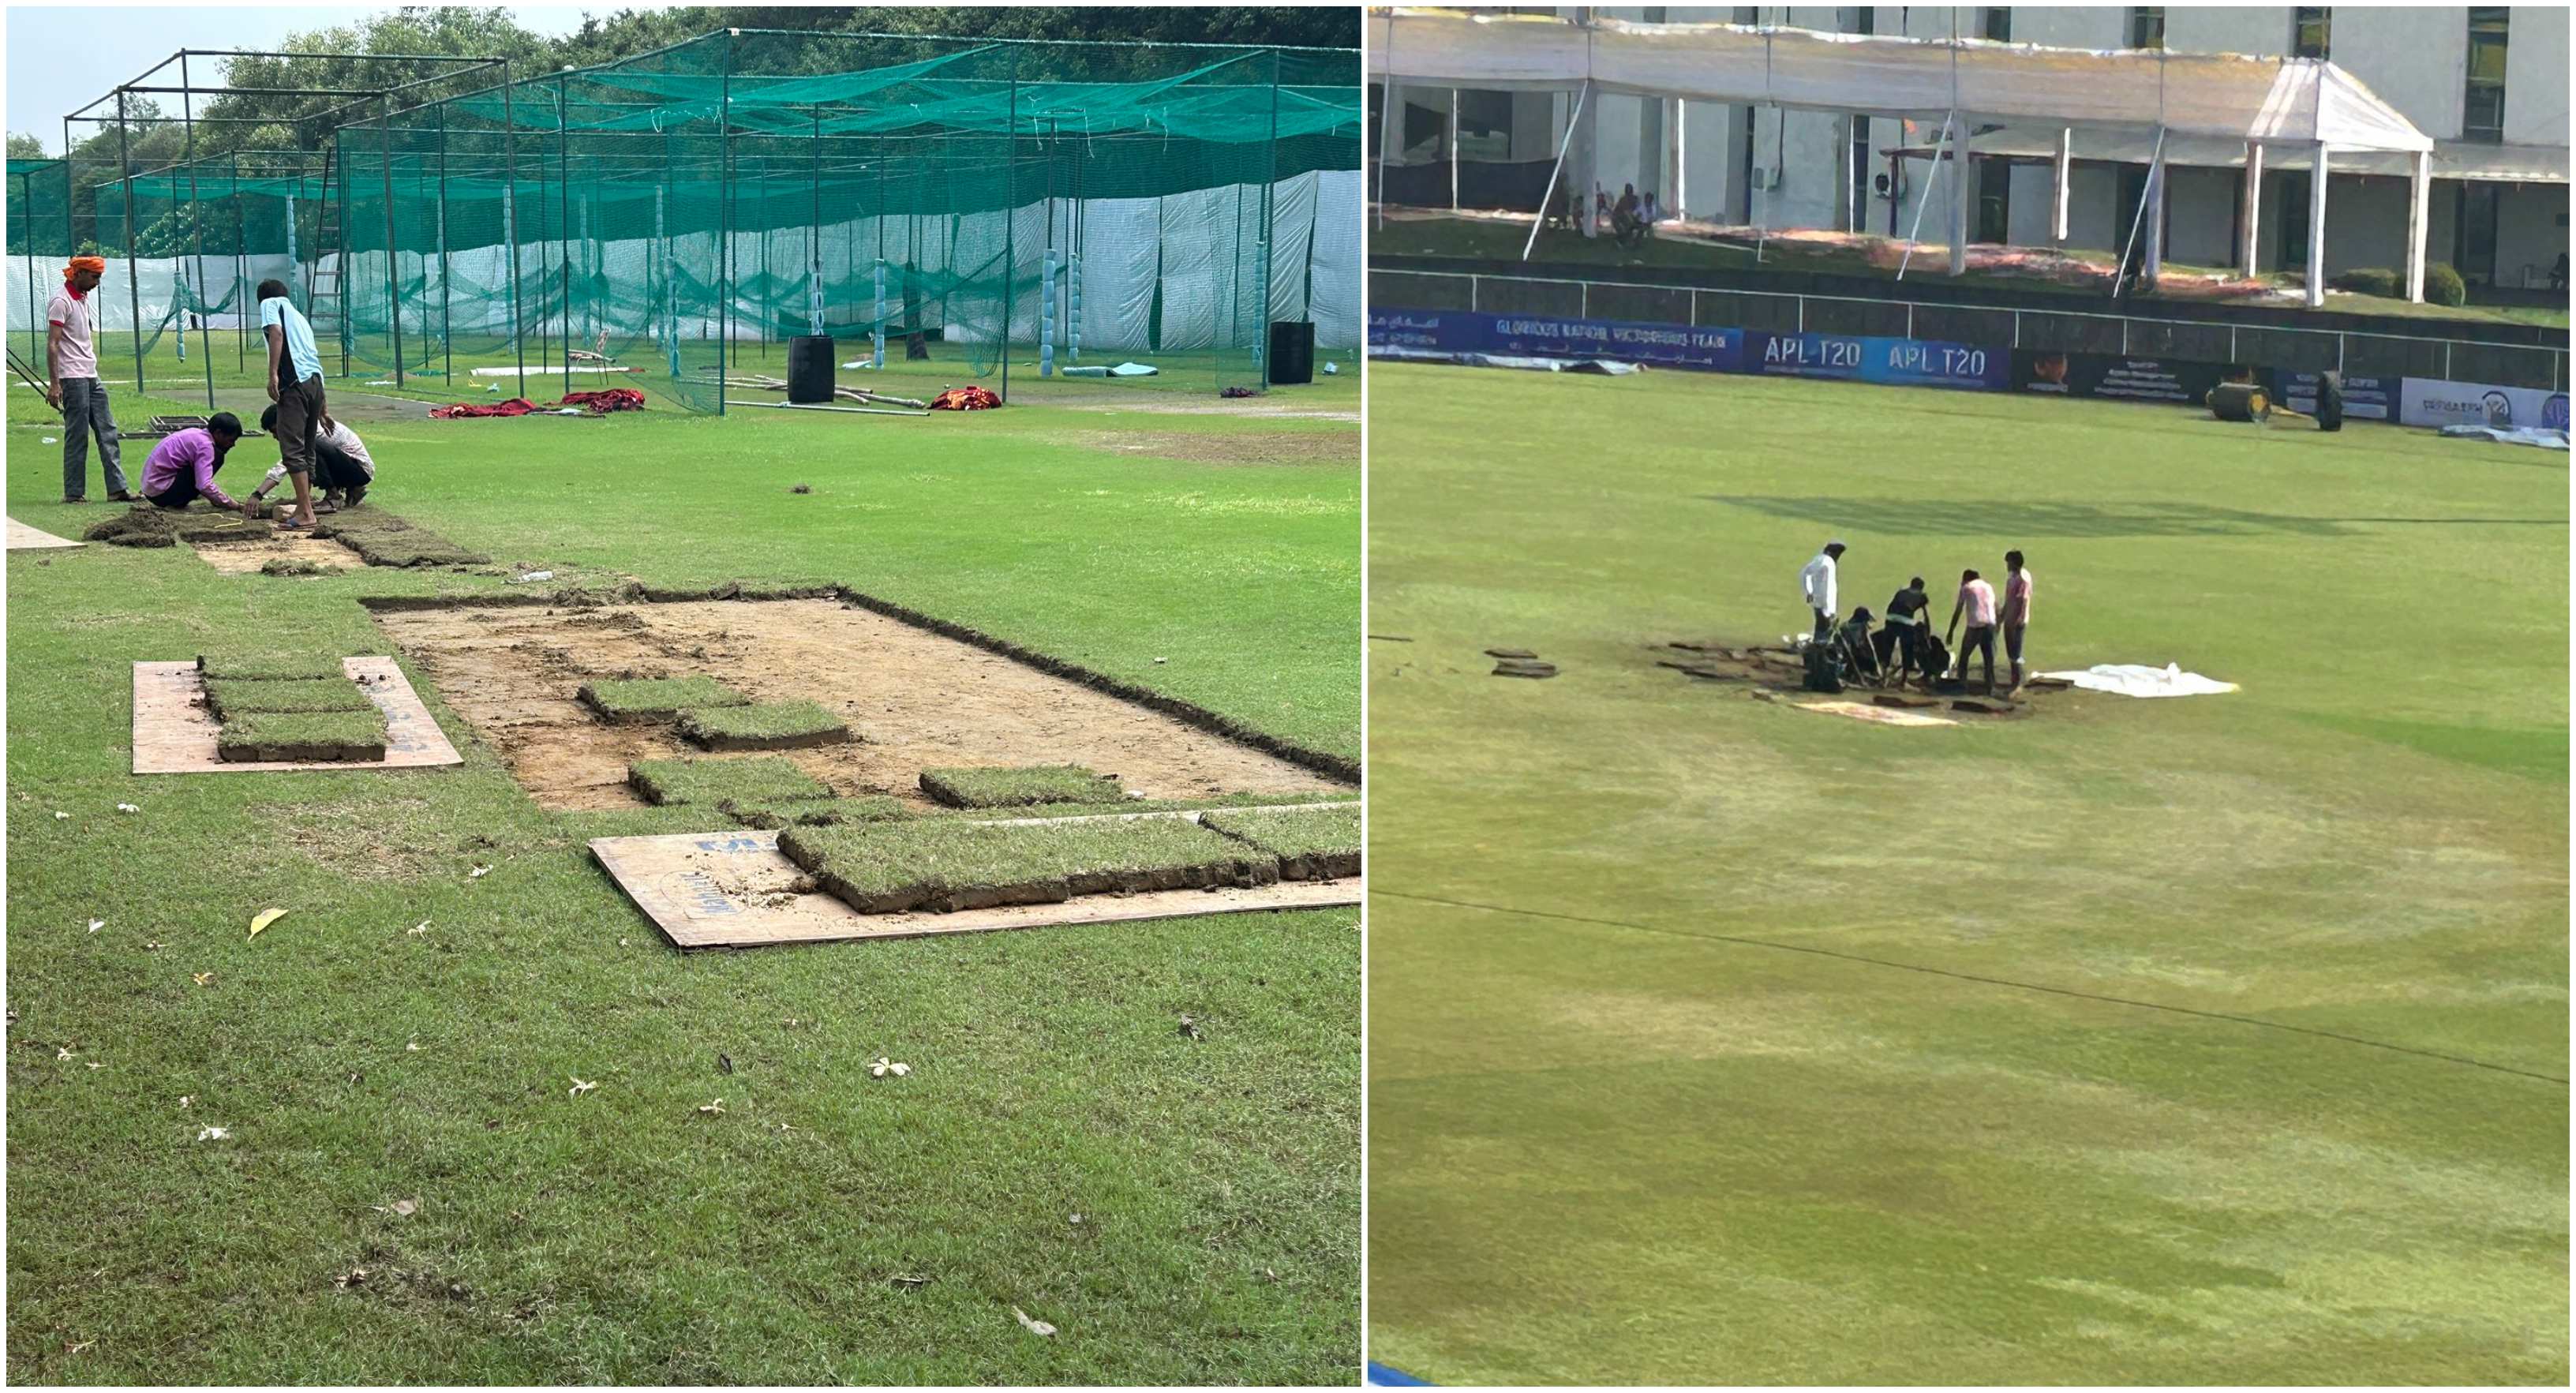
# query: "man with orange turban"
x,y
72,384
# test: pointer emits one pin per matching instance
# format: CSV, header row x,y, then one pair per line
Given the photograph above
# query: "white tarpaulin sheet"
x,y
2288,100
1337,259
1121,241
2139,680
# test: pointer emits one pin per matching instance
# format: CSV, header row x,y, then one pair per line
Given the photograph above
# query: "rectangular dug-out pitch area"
x,y
918,700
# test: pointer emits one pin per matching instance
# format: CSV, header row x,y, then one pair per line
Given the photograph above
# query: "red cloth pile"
x,y
965,399
515,406
597,403
601,403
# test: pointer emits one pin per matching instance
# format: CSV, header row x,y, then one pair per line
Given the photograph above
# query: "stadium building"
x,y
2488,84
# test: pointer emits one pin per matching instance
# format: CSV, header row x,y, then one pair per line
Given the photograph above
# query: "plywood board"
x,y
736,889
1884,715
174,735
25,538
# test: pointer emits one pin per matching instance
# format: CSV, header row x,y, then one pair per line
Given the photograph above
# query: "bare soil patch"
x,y
245,558
1262,447
925,701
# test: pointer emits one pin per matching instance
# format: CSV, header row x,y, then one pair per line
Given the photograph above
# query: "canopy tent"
x,y
2307,105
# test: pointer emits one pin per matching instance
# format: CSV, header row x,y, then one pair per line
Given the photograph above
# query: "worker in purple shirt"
x,y
182,467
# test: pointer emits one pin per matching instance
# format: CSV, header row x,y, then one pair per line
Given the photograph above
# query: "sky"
x,y
63,57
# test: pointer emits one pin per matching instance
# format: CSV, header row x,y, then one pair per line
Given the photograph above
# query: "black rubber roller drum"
x,y
809,369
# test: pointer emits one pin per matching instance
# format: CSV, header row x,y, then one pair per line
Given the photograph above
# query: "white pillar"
x,y
1960,196
2065,179
1583,159
2152,257
2418,223
2249,236
2317,231
1453,149
1680,207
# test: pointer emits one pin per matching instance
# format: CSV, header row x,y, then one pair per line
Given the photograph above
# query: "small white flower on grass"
x,y
885,1066
214,1134
97,924
1031,1323
127,808
580,1087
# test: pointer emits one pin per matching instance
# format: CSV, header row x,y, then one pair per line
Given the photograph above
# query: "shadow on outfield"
x,y
1998,519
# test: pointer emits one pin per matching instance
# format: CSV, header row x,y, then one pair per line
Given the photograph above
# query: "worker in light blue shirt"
x,y
295,384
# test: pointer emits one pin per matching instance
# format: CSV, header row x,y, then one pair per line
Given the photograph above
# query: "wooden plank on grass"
x,y
175,735
25,538
735,889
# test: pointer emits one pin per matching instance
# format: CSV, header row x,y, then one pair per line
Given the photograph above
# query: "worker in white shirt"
x,y
342,469
1816,584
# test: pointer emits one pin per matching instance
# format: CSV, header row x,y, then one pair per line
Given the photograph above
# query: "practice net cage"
x,y
1049,220
1040,218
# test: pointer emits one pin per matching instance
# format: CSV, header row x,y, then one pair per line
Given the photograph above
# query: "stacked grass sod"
x,y
949,864
382,539
144,525
264,665
227,697
656,699
774,725
254,737
1311,843
1003,787
1192,1196
712,781
1820,1052
770,814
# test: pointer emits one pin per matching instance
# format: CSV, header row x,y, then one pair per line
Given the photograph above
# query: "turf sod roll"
x,y
259,737
1003,787
228,697
1311,843
947,864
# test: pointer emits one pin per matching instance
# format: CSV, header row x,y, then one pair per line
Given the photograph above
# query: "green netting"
x,y
947,211
40,236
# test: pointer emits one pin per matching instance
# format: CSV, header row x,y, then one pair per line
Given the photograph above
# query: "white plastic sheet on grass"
x,y
2139,680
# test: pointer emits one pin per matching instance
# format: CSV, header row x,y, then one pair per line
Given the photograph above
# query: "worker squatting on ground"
x,y
295,384
73,387
1908,620
182,467
340,464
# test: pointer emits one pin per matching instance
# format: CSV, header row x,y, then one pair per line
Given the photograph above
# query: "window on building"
x,y
2484,117
2147,26
1484,125
1998,25
2474,251
1994,202
2311,31
2290,196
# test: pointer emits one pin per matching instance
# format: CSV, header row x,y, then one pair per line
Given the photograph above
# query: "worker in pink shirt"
x,y
182,467
1977,601
2016,613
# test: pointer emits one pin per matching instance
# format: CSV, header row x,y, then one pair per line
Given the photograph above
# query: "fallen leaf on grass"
x,y
185,1099
724,1064
151,945
414,1048
418,929
580,1087
354,1277
63,1052
201,978
62,817
214,1134
714,1109
1035,1327
75,1349
405,1208
96,1064
911,1281
478,872
266,918
1076,1219
127,808
1189,1027
885,1066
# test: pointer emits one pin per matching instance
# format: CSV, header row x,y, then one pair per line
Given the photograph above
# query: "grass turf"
x,y
950,863
254,736
1218,1178
1813,1051
656,698
997,787
1311,844
256,665
773,813
768,725
228,696
712,781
